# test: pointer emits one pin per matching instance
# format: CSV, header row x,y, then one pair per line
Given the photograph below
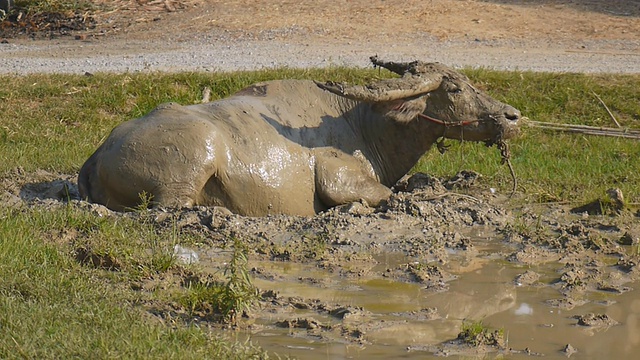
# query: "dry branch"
x,y
606,108
587,130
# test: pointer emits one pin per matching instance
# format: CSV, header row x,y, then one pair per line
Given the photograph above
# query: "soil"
x,y
401,279
362,19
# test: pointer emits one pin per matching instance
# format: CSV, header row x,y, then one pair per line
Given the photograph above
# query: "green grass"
x,y
53,307
55,122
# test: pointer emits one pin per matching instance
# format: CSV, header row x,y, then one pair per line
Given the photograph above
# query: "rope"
x,y
505,153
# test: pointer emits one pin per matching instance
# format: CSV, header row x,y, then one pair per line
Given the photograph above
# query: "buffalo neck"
x,y
391,147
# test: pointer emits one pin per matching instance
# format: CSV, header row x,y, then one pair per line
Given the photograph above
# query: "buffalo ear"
x,y
401,110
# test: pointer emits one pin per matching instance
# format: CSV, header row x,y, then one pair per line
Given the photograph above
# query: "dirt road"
x,y
182,35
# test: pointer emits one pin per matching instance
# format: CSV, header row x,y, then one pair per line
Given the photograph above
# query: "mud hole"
x,y
402,279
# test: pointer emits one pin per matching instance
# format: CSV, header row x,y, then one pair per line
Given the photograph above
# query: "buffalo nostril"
x,y
512,113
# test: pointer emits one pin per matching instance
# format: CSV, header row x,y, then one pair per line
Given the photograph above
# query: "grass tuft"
x,y
475,333
228,299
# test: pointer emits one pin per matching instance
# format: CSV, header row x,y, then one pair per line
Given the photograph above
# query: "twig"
x,y
169,6
601,52
468,197
586,127
606,108
588,130
73,91
20,349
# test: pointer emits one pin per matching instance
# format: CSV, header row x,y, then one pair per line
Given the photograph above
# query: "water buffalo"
x,y
292,146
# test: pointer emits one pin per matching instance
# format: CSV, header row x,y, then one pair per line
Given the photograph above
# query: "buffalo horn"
x,y
385,90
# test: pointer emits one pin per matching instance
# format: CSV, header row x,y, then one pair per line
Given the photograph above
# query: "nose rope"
x,y
442,147
498,141
448,124
505,153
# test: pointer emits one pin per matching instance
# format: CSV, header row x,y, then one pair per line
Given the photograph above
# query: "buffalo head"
x,y
436,93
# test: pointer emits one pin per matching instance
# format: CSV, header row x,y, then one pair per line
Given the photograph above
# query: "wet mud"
x,y
404,279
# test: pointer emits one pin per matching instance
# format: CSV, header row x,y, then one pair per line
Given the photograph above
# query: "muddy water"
x,y
547,330
397,319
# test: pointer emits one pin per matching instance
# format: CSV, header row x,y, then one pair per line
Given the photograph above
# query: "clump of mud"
x,y
595,320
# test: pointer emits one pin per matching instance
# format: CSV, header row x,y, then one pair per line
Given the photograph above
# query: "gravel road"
x,y
214,52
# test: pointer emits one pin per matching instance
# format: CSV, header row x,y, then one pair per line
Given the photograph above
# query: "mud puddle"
x,y
331,317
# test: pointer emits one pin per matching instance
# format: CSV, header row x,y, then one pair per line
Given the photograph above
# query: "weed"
x,y
477,334
528,226
162,261
314,245
146,201
198,296
162,242
238,293
227,299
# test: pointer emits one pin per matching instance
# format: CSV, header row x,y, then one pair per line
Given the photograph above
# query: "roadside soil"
x,y
399,279
380,20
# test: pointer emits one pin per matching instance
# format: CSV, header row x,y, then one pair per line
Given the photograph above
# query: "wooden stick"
x,y
606,108
604,132
588,130
469,197
586,127
592,132
601,52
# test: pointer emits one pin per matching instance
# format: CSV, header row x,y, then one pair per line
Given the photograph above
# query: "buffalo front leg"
x,y
342,179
